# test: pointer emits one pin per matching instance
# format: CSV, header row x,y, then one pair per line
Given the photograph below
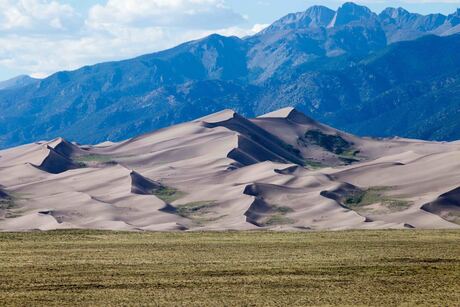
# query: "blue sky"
x,y
39,37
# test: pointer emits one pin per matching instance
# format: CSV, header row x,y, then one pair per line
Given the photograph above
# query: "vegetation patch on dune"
x,y
350,156
314,165
375,195
8,205
199,212
93,159
168,194
194,209
277,217
332,143
351,268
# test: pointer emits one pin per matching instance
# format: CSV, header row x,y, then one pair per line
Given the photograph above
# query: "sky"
x,y
40,37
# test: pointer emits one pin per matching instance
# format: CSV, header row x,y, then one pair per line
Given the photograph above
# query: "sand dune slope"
x,y
281,171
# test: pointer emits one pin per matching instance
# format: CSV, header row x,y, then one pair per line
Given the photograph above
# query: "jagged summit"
x,y
320,15
314,17
395,13
350,12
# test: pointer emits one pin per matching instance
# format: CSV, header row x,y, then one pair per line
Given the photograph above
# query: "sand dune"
x,y
446,206
281,171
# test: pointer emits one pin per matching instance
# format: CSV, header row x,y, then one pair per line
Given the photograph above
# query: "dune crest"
x,y
55,162
291,114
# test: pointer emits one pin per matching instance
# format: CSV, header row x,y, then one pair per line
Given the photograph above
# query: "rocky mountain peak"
x,y
394,13
314,17
320,16
351,12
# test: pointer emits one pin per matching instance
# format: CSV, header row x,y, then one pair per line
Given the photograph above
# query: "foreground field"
x,y
250,268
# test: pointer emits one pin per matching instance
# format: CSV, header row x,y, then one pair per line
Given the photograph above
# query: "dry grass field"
x,y
230,268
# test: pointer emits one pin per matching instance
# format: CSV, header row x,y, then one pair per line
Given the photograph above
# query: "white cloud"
x,y
241,31
171,13
40,37
36,16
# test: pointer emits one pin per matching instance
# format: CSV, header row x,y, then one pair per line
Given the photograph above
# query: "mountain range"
x,y
281,171
393,73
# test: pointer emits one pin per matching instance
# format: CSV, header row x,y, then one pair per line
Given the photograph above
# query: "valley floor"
x,y
410,267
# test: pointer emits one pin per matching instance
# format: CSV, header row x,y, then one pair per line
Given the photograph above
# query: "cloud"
x,y
40,37
240,31
203,14
36,16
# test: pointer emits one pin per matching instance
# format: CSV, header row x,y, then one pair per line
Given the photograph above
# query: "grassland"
x,y
233,268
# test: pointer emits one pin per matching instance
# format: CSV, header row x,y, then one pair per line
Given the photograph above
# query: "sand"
x,y
281,171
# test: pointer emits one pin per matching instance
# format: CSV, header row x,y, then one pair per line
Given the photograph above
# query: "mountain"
x,y
350,13
451,26
400,24
18,82
289,43
314,17
337,66
409,88
280,171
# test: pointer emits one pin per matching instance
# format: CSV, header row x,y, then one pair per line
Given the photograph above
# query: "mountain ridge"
x,y
18,82
322,71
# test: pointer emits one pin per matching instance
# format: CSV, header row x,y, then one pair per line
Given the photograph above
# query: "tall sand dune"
x,y
280,171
